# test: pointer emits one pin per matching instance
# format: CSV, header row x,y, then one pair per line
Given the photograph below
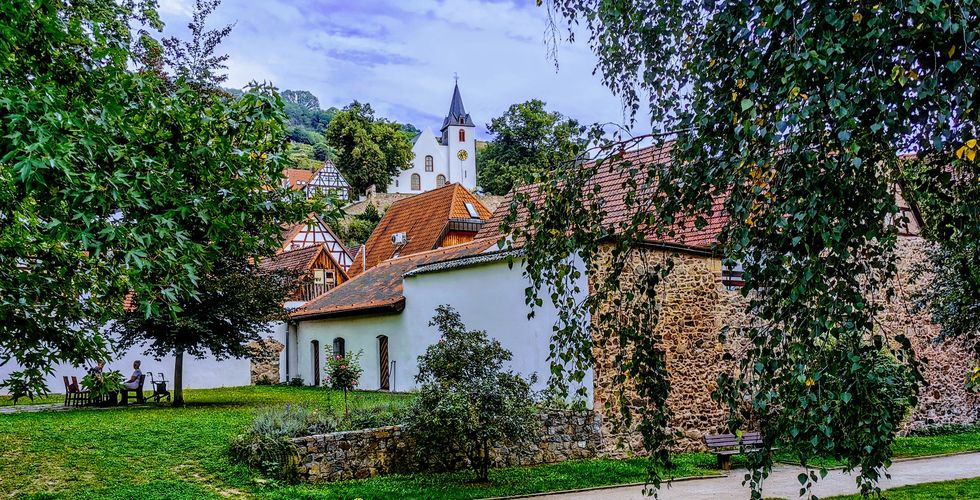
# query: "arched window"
x,y
428,163
338,347
440,180
416,182
462,135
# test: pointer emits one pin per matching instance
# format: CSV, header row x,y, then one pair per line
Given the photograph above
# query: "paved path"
x,y
22,408
783,483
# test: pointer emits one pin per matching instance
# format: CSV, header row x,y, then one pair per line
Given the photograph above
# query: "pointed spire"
x,y
457,113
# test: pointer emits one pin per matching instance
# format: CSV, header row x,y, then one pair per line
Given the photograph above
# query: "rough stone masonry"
x,y
563,435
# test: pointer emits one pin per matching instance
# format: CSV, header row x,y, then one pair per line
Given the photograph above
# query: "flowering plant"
x,y
343,372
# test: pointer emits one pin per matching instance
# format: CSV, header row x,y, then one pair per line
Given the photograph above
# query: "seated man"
x,y
134,381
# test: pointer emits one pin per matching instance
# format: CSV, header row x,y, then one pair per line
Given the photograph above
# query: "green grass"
x,y
921,446
962,488
133,452
163,452
50,398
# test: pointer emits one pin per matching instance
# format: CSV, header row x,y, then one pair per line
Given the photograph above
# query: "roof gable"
x,y
301,235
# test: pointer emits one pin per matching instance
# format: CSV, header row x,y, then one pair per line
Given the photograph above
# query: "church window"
x,y
416,182
440,180
462,135
428,163
338,347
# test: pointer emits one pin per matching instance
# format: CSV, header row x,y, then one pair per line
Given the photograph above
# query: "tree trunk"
x,y
179,378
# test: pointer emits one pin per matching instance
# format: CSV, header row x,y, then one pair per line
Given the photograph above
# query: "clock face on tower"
x,y
462,154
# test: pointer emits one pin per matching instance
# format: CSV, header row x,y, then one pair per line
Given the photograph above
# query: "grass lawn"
x,y
963,488
162,452
50,398
924,446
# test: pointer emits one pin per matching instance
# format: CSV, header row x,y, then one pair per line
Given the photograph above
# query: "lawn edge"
x,y
605,487
902,459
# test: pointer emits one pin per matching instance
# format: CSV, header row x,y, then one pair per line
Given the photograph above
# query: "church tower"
x,y
459,134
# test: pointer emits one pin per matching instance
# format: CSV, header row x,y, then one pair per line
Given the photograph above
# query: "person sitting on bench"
x,y
134,381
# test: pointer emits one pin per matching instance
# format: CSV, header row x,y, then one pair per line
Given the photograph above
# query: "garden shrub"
x,y
381,416
101,384
265,444
467,403
296,382
264,380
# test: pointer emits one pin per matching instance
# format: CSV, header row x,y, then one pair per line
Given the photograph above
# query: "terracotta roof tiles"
x,y
423,218
380,287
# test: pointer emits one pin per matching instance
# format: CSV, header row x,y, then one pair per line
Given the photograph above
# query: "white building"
x,y
448,158
385,313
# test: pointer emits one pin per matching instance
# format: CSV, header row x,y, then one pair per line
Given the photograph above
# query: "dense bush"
x,y
265,444
467,403
368,418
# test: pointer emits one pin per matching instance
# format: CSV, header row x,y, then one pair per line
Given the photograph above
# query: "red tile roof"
x,y
380,287
423,218
299,259
612,185
297,178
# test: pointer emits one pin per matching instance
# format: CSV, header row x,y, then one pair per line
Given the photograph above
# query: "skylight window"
x,y
472,210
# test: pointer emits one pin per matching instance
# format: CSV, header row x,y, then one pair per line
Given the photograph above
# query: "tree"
x,y
70,158
528,140
794,115
467,403
219,192
303,98
369,150
233,306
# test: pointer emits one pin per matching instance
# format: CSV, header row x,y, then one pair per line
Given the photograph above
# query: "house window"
x,y
472,210
428,163
338,347
731,276
396,182
416,182
462,135
440,180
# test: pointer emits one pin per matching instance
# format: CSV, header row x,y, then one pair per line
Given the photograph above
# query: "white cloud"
x,y
400,56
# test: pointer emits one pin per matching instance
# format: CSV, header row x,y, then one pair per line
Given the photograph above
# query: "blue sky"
x,y
400,56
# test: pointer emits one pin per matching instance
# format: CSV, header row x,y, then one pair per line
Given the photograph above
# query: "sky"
x,y
401,55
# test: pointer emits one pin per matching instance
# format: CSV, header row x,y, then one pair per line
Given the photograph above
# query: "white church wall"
x,y
426,145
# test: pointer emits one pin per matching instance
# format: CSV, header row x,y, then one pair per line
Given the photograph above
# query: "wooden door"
x,y
383,360
315,345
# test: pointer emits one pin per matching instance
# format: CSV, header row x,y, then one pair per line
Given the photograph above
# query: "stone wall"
x,y
564,435
693,308
265,360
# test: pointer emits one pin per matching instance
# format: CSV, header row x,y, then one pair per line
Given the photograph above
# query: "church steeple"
x,y
457,114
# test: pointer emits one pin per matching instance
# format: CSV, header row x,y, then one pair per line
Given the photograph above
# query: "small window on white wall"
x,y
416,182
338,347
428,163
440,180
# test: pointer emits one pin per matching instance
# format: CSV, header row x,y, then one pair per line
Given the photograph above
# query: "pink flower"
x,y
355,382
339,356
343,367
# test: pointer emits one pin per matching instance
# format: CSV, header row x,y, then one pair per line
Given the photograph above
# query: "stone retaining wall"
x,y
564,435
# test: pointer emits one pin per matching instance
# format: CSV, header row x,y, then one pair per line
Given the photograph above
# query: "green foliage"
x,y
323,152
369,150
19,386
100,385
266,446
792,115
467,403
355,231
296,382
379,416
528,140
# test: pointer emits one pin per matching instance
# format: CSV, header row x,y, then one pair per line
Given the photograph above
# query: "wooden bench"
x,y
140,398
726,445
